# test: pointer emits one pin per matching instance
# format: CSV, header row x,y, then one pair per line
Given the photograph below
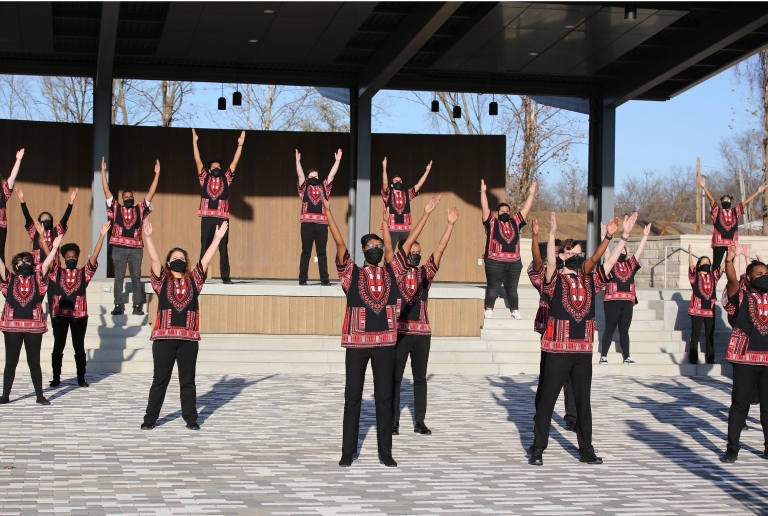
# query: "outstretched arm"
x,y
691,267
424,176
453,216
591,262
299,170
389,247
551,249
538,261
416,231
157,265
629,222
97,248
153,186
484,201
529,200
641,245
730,273
703,184
196,152
211,251
104,184
335,167
67,212
341,248
238,152
28,220
384,180
760,189
15,169
51,253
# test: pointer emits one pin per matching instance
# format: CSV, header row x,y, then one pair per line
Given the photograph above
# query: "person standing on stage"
x,y
46,219
747,348
22,321
176,333
725,219
702,307
214,202
314,223
5,196
125,239
398,200
620,300
414,333
69,309
569,336
502,250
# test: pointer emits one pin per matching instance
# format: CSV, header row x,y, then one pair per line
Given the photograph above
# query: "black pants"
x,y
32,343
570,402
745,378
497,273
396,236
122,256
383,366
317,235
718,253
165,353
3,238
560,366
709,329
617,313
61,326
418,347
207,232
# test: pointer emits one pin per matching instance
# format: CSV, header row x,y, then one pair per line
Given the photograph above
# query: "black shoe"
x,y
55,382
730,457
41,400
387,460
147,426
119,310
571,426
227,281
346,460
4,400
421,428
137,310
711,362
302,282
326,283
692,360
81,382
193,426
536,458
589,456
395,428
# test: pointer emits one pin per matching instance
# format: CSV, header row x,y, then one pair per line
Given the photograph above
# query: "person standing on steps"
x,y
69,309
398,200
570,335
214,202
5,196
22,321
125,239
314,223
725,219
414,333
176,333
620,299
703,279
502,250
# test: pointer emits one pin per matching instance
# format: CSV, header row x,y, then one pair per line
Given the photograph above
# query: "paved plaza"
x,y
270,445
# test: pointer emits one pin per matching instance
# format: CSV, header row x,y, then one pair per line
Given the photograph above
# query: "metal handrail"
x,y
666,255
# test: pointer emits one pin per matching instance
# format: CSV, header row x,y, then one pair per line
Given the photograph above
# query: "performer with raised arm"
x,y
22,321
725,219
502,250
314,223
46,219
69,309
125,239
176,333
620,299
5,196
570,335
214,201
703,279
414,333
747,348
398,200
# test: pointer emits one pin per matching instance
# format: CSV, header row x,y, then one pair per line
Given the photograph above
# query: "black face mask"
x,y
71,263
373,256
559,263
313,181
574,262
397,185
760,283
414,260
622,257
178,265
24,269
128,203
47,224
726,204
504,217
705,267
216,172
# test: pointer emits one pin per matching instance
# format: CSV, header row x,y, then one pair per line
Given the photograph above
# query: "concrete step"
x,y
110,321
527,324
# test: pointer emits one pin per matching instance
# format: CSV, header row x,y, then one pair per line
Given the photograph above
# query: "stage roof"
x,y
562,49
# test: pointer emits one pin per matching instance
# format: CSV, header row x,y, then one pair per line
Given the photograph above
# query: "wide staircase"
x,y
659,334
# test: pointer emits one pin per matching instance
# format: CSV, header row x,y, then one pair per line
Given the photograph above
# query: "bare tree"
x,y
659,197
266,107
67,99
17,97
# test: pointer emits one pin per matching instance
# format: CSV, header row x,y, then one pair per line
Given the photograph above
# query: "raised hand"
x,y
19,154
629,223
222,230
104,229
337,155
532,188
552,223
453,215
535,226
73,196
39,227
602,231
433,202
56,242
483,188
613,226
194,136
241,139
147,228
157,166
690,250
298,156
429,166
384,163
20,194
737,249
731,254
762,187
702,183
386,214
746,252
647,230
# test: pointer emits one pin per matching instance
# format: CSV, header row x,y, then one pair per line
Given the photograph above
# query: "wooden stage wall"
x,y
264,234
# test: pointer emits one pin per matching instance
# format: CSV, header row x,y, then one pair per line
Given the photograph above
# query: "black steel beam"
x,y
110,13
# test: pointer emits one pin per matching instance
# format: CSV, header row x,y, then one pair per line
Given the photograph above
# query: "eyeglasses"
x,y
374,246
568,254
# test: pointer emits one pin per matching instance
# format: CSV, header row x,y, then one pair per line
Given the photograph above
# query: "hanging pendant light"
x,y
237,97
456,111
222,99
435,106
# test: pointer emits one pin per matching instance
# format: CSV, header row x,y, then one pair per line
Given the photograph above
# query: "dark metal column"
x,y
601,169
359,218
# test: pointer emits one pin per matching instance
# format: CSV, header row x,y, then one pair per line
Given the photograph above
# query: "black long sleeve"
x,y
67,213
28,220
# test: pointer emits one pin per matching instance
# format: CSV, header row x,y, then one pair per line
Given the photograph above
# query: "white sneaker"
x,y
629,360
488,313
603,360
516,314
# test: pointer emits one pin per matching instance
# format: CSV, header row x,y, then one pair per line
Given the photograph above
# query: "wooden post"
x,y
698,196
